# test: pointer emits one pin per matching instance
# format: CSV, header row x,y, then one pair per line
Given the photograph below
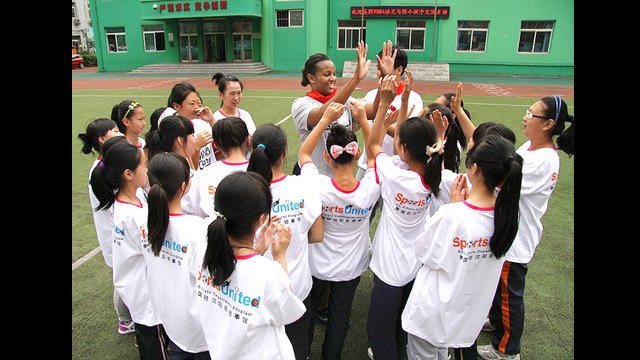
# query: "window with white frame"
x,y
153,37
349,33
472,36
289,18
116,40
73,10
535,36
410,34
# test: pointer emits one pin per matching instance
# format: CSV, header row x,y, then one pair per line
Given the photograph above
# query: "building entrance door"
x,y
189,51
214,48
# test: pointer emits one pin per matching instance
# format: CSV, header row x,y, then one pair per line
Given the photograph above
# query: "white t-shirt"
x,y
453,290
405,199
190,202
102,219
387,141
300,109
343,254
207,157
171,281
211,177
245,319
129,266
539,175
299,206
447,179
242,114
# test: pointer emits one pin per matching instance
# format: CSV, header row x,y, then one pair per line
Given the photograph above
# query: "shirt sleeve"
x,y
283,306
300,110
429,245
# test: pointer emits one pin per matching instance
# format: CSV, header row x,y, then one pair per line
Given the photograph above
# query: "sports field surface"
x,y
549,296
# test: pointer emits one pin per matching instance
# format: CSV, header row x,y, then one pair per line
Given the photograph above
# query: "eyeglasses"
x,y
131,107
529,115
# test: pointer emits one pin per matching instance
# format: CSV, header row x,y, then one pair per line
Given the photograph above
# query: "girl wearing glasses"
x,y
543,120
130,117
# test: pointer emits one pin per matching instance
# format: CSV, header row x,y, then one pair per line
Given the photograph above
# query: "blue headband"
x,y
558,105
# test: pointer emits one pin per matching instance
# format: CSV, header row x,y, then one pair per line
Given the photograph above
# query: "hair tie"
x,y
101,164
219,215
350,148
507,161
438,147
558,105
261,146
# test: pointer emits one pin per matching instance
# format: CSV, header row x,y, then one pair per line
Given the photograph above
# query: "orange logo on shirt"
x,y
143,233
554,177
463,244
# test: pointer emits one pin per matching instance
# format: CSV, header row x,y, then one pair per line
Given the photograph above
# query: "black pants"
x,y
152,342
468,353
507,309
176,353
341,294
298,332
386,337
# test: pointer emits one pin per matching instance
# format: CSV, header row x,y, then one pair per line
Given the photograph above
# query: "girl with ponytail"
x,y
173,238
461,252
245,299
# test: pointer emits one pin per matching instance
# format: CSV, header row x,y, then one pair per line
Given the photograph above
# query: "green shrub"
x,y
89,58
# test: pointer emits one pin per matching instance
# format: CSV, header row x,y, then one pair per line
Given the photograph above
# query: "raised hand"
x,y
386,61
456,101
331,114
459,189
362,67
387,87
441,123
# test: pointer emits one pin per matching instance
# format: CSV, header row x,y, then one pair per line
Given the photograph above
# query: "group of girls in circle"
x,y
218,253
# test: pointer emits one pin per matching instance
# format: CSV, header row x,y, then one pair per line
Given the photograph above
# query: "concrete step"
x,y
203,68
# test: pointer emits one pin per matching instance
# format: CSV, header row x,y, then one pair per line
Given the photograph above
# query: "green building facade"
x,y
502,37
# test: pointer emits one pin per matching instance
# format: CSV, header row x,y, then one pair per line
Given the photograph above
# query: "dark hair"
x,y
221,81
453,134
167,172
229,133
124,109
401,58
500,165
340,135
416,133
269,144
560,115
179,93
155,117
241,197
171,128
118,155
490,127
448,96
311,66
95,129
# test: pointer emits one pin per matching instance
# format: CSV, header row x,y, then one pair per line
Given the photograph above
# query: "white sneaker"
x,y
488,352
487,326
370,353
126,327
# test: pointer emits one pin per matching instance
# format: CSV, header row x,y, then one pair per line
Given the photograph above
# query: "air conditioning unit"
x,y
76,21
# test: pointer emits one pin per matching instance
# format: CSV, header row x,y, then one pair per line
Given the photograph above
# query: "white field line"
x,y
85,258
